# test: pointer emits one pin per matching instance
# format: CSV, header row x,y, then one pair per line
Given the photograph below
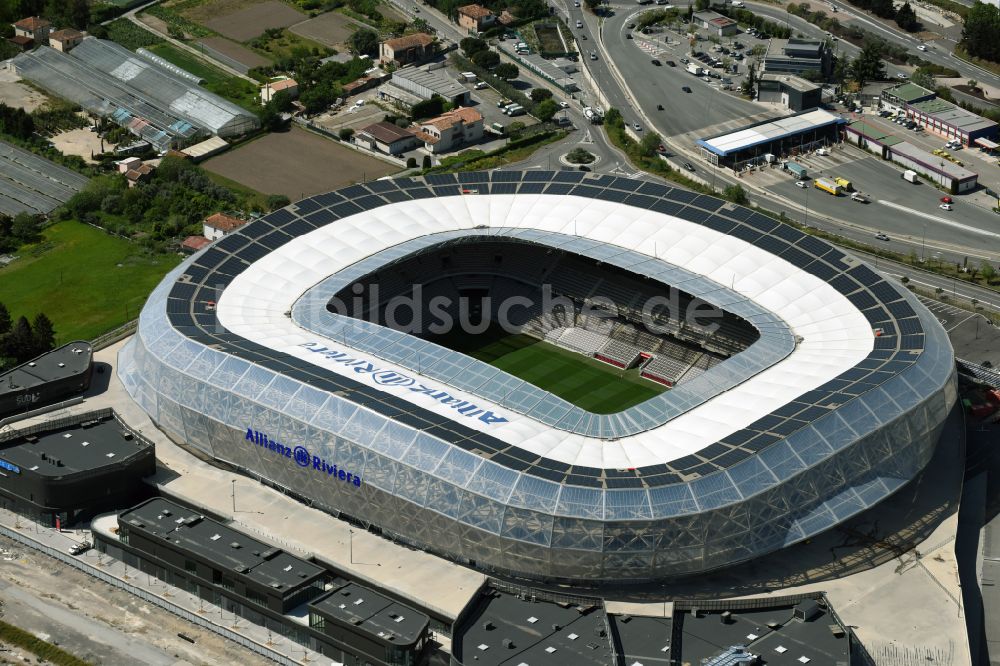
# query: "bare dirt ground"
x,y
330,29
153,22
235,51
297,164
15,93
80,142
99,623
253,20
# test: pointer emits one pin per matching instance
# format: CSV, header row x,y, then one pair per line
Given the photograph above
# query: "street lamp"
x,y
923,242
351,544
234,495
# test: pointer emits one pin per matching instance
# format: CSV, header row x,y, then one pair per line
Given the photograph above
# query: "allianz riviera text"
x,y
302,457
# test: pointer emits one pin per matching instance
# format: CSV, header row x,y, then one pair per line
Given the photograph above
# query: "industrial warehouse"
x,y
762,433
158,105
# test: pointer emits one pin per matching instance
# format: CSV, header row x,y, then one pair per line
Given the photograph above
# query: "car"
x,y
945,206
637,127
922,47
80,548
802,183
656,62
737,45
685,60
579,23
947,199
882,237
901,76
628,35
689,167
576,3
671,63
582,36
563,105
631,26
593,55
686,89
482,85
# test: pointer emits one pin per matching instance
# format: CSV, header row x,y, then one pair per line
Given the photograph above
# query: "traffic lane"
x,y
895,215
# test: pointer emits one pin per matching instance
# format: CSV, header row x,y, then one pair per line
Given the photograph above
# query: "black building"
x,y
73,468
268,586
52,376
792,92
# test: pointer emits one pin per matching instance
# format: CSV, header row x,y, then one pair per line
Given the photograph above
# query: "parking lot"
x,y
972,335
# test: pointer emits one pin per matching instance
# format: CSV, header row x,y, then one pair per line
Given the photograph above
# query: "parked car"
x,y
637,127
563,105
481,85
631,26
80,548
901,76
686,89
671,63
945,206
656,62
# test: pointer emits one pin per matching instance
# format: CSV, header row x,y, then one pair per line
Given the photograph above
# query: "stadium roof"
x,y
33,184
834,335
769,131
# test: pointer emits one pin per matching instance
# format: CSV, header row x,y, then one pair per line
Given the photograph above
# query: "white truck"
x,y
910,176
694,69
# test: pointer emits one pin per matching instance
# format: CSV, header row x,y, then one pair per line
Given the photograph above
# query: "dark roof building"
x,y
54,375
795,56
73,468
300,599
386,138
792,92
716,23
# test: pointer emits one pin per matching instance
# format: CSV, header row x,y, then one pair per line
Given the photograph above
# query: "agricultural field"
x,y
252,20
234,51
330,29
297,164
85,280
585,382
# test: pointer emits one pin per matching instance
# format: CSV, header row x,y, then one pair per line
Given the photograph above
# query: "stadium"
x,y
643,382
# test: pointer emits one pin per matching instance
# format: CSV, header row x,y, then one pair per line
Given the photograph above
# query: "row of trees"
x,y
18,230
479,52
22,340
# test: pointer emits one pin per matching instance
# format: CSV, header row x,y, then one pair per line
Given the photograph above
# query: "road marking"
x,y
949,330
937,218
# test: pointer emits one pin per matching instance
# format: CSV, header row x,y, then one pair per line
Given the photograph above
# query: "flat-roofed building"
x,y
792,92
796,56
934,114
64,471
716,23
784,136
51,376
295,597
424,84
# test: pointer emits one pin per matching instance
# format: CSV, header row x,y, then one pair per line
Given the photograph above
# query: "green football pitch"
x,y
586,382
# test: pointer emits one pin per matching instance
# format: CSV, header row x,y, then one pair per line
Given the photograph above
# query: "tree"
x,y
579,156
426,162
506,71
702,5
649,144
906,18
540,94
428,108
24,227
923,78
883,8
972,83
276,201
737,195
473,45
869,66
979,36
345,133
750,82
5,321
546,110
411,162
43,334
363,42
486,59
987,270
19,343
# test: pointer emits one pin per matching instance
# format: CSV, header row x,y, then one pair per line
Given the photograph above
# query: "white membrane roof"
x,y
835,336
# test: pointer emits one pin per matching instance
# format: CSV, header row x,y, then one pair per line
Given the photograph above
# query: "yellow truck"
x,y
844,183
827,185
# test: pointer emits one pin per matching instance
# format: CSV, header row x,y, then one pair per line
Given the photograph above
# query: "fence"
x,y
535,594
983,374
148,597
113,336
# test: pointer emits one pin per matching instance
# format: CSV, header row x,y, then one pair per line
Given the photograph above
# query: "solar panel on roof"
x,y
696,215
558,188
506,176
884,291
761,222
682,196
588,191
541,176
531,188
844,284
714,450
436,179
900,309
862,300
395,196
653,189
909,326
545,473
813,245
685,462
611,195
328,198
232,266
640,201
567,177
345,209
307,206
627,184
787,232
771,244
667,207
821,270
503,188
720,224
731,458
368,202
623,482
440,191
703,469
420,193
298,228
381,186
796,257
252,253
585,481
747,234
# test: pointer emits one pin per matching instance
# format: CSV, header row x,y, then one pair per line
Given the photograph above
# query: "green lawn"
x,y
586,382
230,87
86,281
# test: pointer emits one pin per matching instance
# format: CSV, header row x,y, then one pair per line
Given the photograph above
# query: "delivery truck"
x,y
827,185
694,69
844,183
910,176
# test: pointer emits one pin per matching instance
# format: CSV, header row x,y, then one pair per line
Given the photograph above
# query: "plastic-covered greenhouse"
x,y
157,104
839,402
